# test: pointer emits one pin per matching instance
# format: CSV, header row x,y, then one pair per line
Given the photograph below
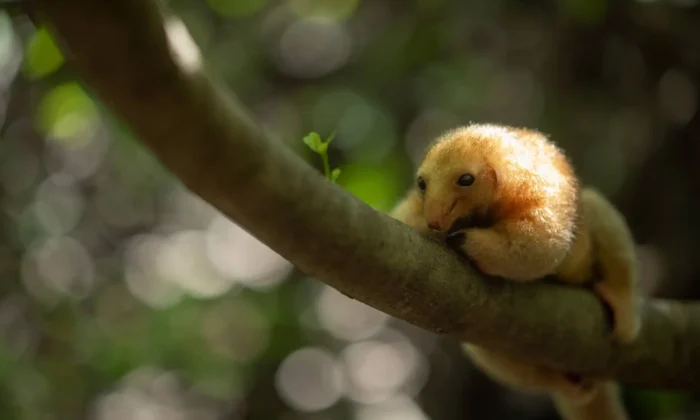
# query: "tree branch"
x,y
208,140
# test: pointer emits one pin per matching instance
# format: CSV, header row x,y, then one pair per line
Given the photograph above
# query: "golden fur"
x,y
523,218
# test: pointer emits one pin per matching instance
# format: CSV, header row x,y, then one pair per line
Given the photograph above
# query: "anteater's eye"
x,y
421,183
465,180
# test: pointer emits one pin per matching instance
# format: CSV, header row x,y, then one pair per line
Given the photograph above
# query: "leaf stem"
x,y
326,166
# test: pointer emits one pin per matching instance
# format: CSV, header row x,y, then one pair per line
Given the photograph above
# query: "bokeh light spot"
x,y
68,114
58,206
182,46
143,277
378,370
62,264
241,257
309,49
366,133
236,329
309,380
347,318
183,260
10,52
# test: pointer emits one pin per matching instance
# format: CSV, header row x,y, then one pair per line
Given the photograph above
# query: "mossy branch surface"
x,y
197,128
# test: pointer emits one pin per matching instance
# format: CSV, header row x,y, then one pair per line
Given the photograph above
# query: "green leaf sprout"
x,y
319,146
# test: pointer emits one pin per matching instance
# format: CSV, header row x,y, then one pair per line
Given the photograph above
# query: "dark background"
x,y
123,296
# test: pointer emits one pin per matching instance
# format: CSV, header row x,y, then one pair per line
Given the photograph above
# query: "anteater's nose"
x,y
435,226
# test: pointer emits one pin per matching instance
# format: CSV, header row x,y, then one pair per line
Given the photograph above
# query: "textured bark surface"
x,y
207,139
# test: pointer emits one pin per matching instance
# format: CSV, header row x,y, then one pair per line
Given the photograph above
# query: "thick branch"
x,y
206,138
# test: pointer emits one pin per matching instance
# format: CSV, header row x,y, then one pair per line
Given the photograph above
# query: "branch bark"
x,y
208,140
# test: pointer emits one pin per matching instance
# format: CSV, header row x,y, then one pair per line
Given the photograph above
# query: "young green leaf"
x,y
313,140
335,174
318,145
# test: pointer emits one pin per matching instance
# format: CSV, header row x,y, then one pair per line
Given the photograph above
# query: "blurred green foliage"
x,y
64,111
236,8
42,56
